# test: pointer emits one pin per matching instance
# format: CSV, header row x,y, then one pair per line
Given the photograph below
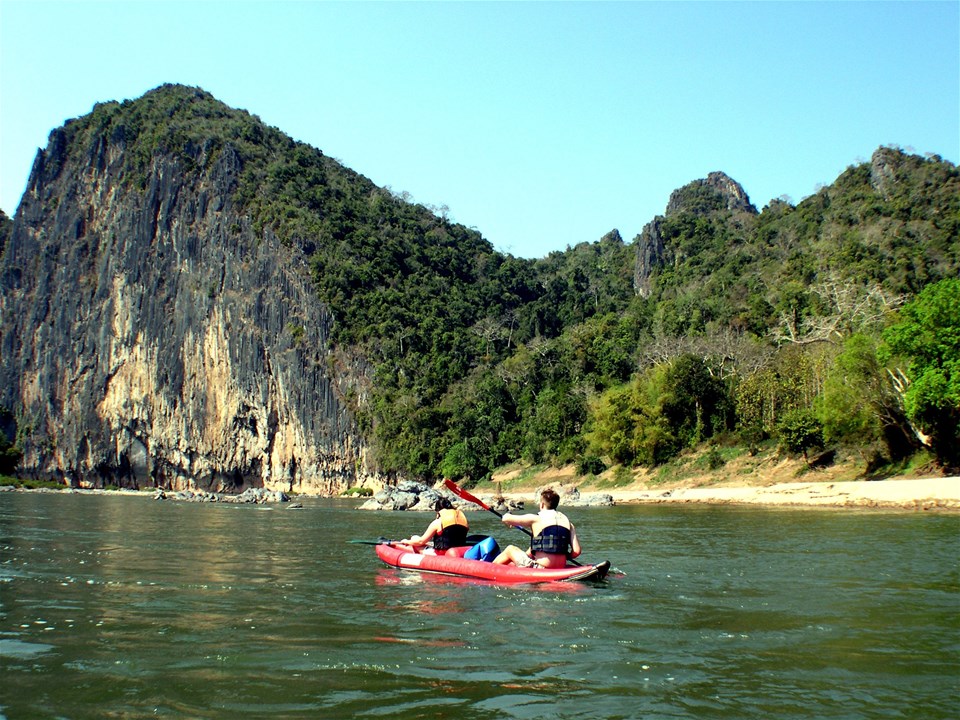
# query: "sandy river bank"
x,y
939,493
919,494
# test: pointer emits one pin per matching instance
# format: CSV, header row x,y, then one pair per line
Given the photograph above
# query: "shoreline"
x,y
923,494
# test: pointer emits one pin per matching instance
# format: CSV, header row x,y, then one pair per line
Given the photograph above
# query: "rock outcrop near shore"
x,y
409,495
254,496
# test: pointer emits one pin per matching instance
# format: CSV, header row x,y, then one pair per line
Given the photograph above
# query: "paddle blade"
x,y
459,492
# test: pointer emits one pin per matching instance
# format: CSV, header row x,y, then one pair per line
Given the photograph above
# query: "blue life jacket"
x,y
553,540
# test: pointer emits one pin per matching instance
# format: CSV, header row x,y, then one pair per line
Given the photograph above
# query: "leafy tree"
x,y
10,454
628,423
614,418
590,465
10,457
6,227
697,406
927,336
846,408
799,432
860,406
554,427
791,381
462,461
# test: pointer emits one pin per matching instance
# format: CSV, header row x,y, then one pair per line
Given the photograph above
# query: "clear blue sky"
x,y
542,124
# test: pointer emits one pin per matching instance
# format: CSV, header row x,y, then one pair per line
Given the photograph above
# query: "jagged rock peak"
x,y
884,164
613,236
718,191
650,254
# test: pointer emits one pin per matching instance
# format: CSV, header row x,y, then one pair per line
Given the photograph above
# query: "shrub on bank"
x,y
31,483
361,491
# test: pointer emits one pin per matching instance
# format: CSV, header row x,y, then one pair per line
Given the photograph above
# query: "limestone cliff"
x,y
718,191
154,335
716,194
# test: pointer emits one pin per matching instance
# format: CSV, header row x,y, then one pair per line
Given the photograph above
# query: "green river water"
x,y
125,607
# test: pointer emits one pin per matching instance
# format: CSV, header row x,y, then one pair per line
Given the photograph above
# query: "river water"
x,y
125,607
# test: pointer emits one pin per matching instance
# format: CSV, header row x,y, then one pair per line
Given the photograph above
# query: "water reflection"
x,y
417,641
730,613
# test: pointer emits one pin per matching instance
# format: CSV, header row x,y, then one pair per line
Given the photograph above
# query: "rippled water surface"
x,y
125,607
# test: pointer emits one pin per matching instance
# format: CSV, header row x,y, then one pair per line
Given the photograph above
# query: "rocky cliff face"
x,y
717,193
650,256
152,337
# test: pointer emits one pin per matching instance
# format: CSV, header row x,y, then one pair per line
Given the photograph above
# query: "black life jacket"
x,y
553,540
453,530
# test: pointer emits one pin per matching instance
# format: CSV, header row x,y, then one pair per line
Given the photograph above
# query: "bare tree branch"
x,y
850,308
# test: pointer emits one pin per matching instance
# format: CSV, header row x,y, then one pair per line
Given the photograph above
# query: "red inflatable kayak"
x,y
450,563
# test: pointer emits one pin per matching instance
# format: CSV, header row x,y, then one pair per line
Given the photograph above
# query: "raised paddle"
x,y
460,492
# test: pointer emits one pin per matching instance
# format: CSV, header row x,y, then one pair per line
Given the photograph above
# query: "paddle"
x,y
380,541
460,492
471,540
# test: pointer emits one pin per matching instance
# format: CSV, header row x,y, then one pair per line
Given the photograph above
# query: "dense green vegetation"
x,y
6,225
9,451
828,323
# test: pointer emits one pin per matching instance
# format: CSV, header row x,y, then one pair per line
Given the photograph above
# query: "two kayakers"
x,y
554,536
448,530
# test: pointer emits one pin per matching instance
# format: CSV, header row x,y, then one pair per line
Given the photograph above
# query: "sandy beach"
x,y
766,478
937,493
919,494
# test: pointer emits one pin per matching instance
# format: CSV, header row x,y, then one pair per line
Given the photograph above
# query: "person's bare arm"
x,y
574,542
519,520
421,540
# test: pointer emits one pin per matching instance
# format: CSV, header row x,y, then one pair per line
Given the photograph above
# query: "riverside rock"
x,y
409,495
257,496
570,496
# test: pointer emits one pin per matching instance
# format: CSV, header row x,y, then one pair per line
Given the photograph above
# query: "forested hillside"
x,y
826,323
782,326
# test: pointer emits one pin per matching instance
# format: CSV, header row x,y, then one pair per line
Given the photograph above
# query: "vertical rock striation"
x,y
152,337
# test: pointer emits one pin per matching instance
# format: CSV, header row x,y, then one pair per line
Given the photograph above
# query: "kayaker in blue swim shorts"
x,y
554,536
448,530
